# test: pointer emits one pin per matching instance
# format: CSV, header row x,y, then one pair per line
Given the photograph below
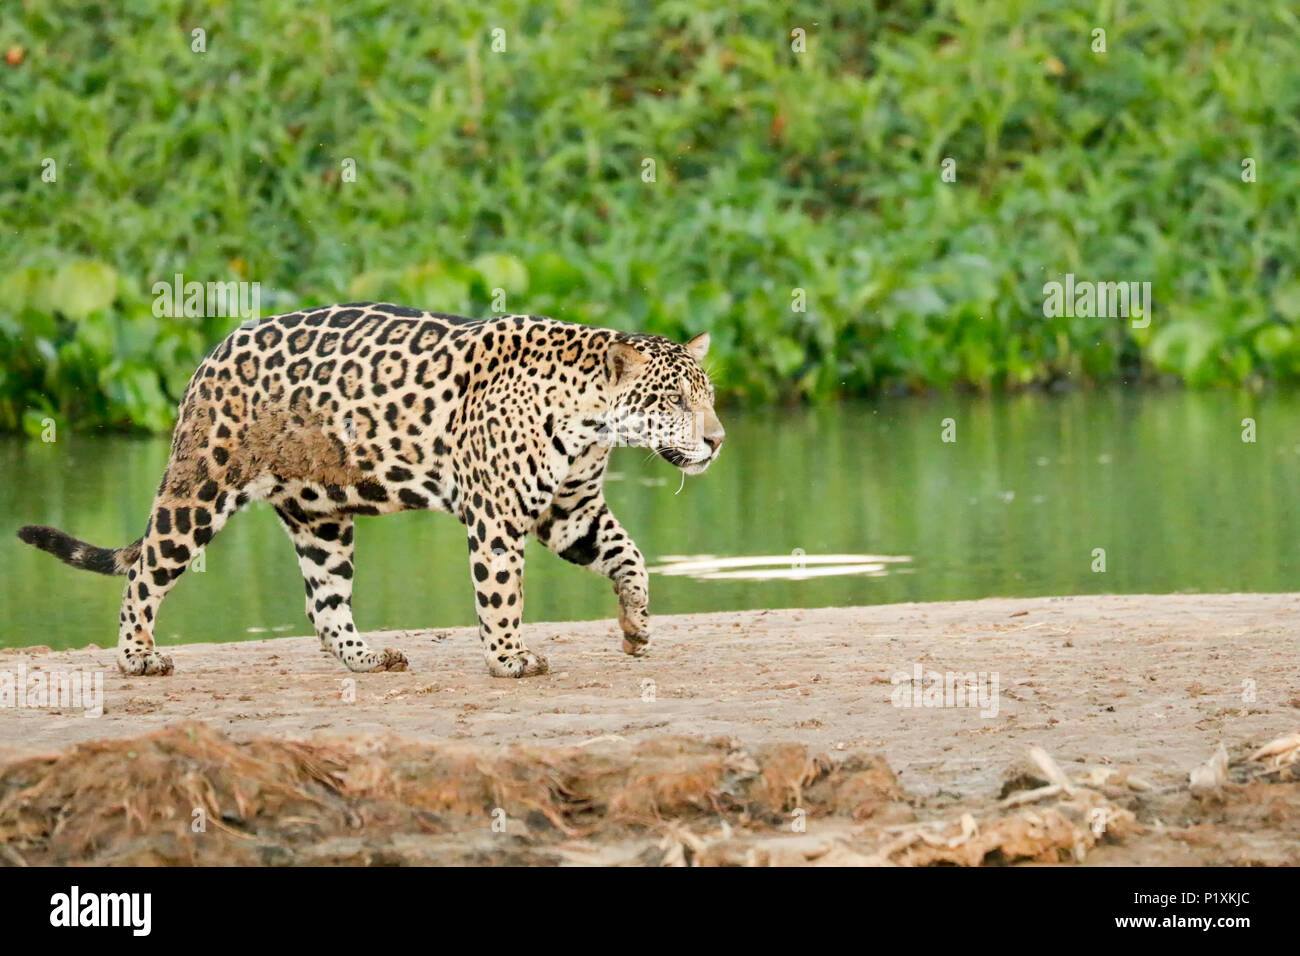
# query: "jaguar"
x,y
332,413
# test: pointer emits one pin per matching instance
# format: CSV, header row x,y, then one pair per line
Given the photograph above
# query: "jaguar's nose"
x,y
714,443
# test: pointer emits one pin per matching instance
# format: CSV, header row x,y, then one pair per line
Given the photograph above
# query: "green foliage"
x,y
775,171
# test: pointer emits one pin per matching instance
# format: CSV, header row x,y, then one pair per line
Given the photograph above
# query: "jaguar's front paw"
x,y
390,660
637,646
145,663
518,664
635,624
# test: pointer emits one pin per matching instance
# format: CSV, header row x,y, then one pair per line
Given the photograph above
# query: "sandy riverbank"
x,y
1147,685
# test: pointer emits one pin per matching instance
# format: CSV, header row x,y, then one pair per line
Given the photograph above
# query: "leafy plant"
x,y
781,178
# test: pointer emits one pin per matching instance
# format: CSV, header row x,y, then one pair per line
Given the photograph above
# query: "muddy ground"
x,y
1125,695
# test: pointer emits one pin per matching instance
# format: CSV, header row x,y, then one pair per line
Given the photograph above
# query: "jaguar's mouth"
x,y
674,456
692,465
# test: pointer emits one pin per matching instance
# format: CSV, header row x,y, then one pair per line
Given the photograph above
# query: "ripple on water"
x,y
796,566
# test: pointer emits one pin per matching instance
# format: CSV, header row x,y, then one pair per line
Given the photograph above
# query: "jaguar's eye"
x,y
681,402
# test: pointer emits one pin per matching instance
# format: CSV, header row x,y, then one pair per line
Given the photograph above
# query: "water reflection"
x,y
789,567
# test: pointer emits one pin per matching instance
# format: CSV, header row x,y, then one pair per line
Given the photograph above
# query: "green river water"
x,y
860,503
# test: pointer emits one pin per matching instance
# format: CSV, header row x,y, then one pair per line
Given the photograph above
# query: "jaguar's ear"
x,y
698,346
624,363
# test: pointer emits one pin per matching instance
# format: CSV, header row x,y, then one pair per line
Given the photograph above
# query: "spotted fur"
x,y
368,409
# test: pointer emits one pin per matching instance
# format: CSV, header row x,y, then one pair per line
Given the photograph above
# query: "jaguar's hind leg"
x,y
324,546
179,528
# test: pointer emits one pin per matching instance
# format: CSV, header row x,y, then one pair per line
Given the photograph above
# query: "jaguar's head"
x,y
661,399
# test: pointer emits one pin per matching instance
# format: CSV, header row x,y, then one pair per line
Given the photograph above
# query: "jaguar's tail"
x,y
79,554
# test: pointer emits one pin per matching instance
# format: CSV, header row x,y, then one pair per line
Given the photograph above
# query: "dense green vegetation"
x,y
775,171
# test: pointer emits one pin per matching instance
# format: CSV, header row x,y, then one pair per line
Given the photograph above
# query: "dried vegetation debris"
x,y
188,794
